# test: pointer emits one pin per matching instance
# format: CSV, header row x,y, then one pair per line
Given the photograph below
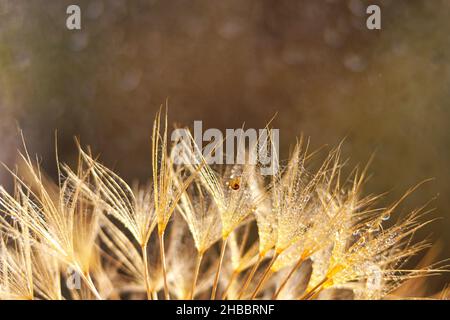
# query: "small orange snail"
x,y
234,183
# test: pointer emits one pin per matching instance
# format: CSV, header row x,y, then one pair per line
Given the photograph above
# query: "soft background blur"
x,y
229,62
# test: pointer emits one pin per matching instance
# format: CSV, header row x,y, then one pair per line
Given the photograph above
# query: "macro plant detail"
x,y
197,231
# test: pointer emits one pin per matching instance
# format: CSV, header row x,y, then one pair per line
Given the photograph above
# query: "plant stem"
x,y
315,294
196,272
219,267
233,276
250,277
163,264
146,273
264,276
285,281
314,291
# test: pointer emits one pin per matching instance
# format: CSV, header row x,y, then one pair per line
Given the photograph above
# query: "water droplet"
x,y
354,63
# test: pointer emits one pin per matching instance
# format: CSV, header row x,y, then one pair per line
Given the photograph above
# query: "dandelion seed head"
x,y
304,233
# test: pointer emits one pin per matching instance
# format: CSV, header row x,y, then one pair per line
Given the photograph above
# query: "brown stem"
x,y
250,277
264,276
315,294
311,293
196,272
285,281
219,267
233,276
163,263
146,273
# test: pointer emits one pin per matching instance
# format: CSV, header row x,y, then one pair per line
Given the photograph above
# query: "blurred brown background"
x,y
229,62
